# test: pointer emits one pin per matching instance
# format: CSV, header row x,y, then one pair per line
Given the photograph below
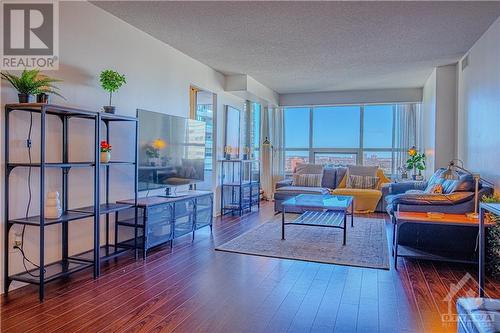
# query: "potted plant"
x,y
416,162
246,153
111,81
32,82
227,152
492,237
105,151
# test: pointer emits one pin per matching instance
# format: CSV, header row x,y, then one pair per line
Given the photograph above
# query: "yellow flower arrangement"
x,y
412,151
158,144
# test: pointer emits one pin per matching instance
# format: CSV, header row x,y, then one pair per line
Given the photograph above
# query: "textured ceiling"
x,y
316,46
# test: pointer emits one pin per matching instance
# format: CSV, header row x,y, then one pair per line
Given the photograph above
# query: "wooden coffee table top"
x,y
452,219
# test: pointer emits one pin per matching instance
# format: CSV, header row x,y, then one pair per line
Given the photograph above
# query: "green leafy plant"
x,y
32,82
416,162
493,238
111,81
152,152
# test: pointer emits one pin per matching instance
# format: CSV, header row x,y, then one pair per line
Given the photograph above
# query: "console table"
x,y
162,219
403,218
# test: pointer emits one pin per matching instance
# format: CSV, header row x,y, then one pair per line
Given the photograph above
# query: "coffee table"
x,y
320,211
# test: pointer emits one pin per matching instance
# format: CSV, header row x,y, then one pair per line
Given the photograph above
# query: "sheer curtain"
x,y
278,141
273,154
405,131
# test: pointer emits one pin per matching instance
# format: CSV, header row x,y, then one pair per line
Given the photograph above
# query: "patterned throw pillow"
x,y
436,189
363,182
307,180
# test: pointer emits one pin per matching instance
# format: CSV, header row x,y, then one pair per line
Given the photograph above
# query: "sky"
x,y
339,127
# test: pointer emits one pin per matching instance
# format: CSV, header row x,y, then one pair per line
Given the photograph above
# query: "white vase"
x,y
105,157
53,208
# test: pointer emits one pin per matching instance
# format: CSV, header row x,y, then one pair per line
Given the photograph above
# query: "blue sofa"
x,y
457,196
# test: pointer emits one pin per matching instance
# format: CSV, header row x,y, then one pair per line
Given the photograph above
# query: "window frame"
x,y
360,150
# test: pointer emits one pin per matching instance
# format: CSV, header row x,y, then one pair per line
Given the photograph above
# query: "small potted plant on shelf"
x,y
30,83
111,81
227,152
246,153
416,162
105,151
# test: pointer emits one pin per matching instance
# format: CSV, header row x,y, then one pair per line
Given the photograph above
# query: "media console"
x,y
162,219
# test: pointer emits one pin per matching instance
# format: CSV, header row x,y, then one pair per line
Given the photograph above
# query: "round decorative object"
x,y
105,157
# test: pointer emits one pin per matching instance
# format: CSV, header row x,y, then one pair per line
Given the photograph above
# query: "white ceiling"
x,y
316,46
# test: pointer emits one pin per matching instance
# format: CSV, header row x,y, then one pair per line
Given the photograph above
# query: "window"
x,y
341,135
204,113
336,126
382,159
335,159
377,126
297,127
294,157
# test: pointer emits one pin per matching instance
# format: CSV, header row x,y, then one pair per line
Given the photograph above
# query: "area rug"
x,y
366,244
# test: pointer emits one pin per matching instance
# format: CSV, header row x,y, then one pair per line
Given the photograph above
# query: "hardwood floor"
x,y
196,289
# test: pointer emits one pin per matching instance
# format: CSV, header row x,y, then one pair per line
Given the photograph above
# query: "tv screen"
x,y
171,150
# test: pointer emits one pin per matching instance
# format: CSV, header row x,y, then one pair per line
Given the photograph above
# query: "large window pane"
x,y
382,159
377,126
335,159
336,127
297,127
292,158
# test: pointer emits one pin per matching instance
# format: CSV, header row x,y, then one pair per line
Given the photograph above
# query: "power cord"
x,y
21,248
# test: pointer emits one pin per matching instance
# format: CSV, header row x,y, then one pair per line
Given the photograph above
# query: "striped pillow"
x,y
363,182
307,180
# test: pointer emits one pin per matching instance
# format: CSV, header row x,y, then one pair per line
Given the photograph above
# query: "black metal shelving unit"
x,y
68,264
240,186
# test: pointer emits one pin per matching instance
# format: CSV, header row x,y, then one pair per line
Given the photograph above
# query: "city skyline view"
x,y
340,136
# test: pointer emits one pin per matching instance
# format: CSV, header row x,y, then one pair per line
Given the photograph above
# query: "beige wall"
x,y
158,79
479,107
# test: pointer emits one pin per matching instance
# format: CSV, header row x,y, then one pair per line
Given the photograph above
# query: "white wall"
x,y
352,97
479,107
446,114
428,123
158,78
439,118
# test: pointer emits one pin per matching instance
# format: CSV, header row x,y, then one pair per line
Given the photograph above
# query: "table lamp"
x,y
452,174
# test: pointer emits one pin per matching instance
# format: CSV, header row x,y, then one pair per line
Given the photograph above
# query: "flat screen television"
x,y
171,150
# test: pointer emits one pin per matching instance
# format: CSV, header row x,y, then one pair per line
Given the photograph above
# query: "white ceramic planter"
x,y
105,157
